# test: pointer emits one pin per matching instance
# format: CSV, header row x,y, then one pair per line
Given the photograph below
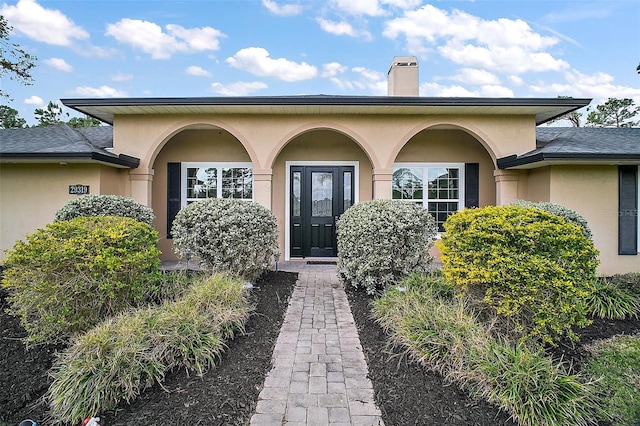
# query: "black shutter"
x,y
173,194
472,185
628,210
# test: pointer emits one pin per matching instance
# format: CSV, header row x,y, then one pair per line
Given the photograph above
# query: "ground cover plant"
x,y
382,241
105,205
120,358
70,275
227,235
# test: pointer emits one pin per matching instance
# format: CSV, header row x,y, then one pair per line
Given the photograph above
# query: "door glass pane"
x,y
295,193
321,194
347,184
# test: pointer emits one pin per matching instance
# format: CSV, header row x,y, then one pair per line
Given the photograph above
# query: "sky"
x,y
198,48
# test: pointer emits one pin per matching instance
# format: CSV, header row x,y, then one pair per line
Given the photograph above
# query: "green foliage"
x,y
50,116
70,275
615,363
531,270
13,60
612,302
380,242
9,118
85,121
440,333
629,282
614,113
105,205
120,358
227,235
566,213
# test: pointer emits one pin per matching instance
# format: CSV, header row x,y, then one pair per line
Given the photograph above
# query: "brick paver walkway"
x,y
319,374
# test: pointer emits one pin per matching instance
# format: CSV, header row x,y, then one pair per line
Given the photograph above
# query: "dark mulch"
x,y
409,395
225,395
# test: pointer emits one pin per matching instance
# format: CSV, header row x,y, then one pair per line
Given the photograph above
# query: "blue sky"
x,y
137,48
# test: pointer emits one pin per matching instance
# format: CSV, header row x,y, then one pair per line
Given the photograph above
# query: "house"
x,y
308,158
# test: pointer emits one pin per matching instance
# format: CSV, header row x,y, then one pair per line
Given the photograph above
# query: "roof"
x,y
544,109
585,145
62,143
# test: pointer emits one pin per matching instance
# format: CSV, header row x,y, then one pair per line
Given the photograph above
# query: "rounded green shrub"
x,y
227,235
380,242
566,213
526,267
70,275
105,205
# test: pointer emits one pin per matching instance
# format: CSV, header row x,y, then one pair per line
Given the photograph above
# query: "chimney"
x,y
402,79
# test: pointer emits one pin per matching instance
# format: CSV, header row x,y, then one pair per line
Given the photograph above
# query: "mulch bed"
x,y
227,394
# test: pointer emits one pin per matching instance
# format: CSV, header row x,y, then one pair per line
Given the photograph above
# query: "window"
x,y
437,187
216,180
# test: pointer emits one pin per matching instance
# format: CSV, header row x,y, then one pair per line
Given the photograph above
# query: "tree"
x,y
614,113
51,116
573,117
13,60
85,121
9,118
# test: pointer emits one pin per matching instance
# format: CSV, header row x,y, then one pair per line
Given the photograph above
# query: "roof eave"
x,y
542,159
121,161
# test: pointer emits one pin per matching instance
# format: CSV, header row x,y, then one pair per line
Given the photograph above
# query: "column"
x,y
382,187
262,186
506,186
141,185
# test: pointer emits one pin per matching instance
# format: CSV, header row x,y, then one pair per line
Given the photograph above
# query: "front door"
x,y
319,195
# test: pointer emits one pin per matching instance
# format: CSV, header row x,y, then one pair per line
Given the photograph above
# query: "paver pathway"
x,y
319,374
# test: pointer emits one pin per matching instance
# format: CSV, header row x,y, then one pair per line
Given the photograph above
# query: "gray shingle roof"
x,y
62,142
567,144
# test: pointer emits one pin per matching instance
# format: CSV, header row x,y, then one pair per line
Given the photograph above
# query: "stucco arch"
x,y
178,126
466,127
322,125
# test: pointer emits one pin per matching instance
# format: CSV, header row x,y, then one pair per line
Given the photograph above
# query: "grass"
x,y
613,301
436,329
120,358
616,363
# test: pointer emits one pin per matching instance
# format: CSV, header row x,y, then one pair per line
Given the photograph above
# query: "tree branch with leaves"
x,y
13,60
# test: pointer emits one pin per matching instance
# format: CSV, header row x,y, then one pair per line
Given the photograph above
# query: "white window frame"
x,y
219,166
425,191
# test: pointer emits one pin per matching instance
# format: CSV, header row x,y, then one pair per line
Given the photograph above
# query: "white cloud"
x,y
332,69
45,25
240,88
98,92
282,10
197,71
502,45
360,7
122,77
514,79
34,100
403,4
59,64
342,28
435,89
150,37
599,86
256,60
495,91
475,76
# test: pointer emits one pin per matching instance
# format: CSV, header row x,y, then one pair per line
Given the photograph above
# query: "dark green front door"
x,y
319,195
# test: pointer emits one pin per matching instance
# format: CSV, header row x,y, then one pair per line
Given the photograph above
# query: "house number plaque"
x,y
78,189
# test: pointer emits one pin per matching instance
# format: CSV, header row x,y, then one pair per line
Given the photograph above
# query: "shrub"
x,y
68,276
120,358
615,364
566,213
438,331
530,269
382,241
612,302
629,282
227,235
105,205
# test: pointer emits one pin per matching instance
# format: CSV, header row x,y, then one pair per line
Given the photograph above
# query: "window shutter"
x,y
174,191
472,185
628,210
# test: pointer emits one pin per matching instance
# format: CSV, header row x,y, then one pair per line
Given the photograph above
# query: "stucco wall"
x,y
593,192
30,194
537,184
